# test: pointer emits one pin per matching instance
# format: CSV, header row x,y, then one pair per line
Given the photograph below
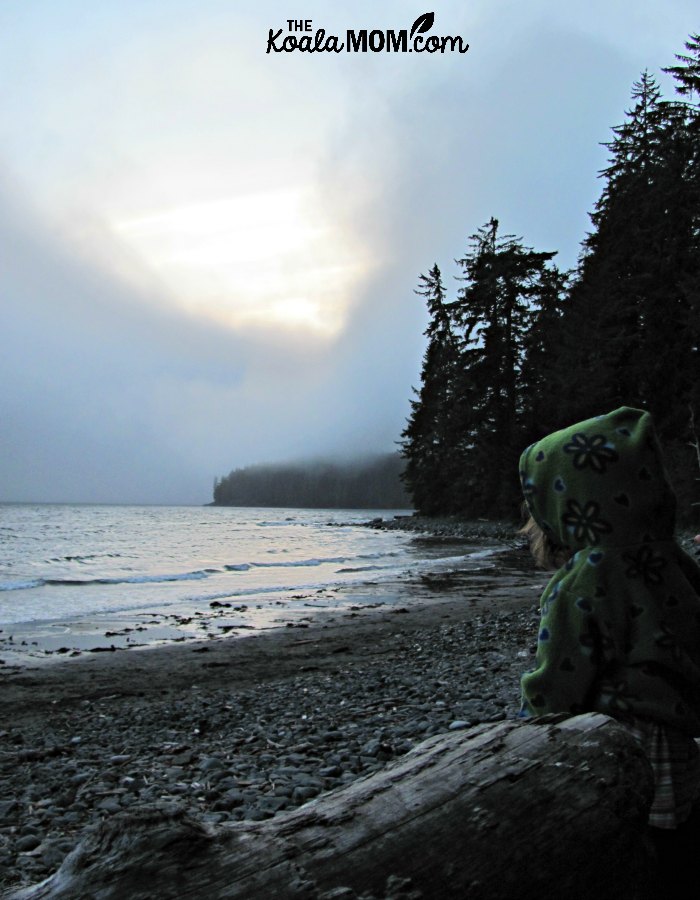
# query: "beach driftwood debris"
x,y
497,811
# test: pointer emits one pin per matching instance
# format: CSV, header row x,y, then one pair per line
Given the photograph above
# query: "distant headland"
x,y
369,483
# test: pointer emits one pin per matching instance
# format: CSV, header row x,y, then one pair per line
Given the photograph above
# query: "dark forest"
x,y
523,348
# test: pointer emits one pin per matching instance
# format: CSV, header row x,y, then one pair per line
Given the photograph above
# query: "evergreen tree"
x,y
428,437
687,74
685,110
507,284
632,324
545,376
628,305
687,117
519,353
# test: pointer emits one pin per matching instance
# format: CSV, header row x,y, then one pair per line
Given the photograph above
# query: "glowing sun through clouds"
x,y
264,259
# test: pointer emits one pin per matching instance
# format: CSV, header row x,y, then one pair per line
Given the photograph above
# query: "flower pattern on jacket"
x,y
620,621
645,564
591,451
618,697
585,521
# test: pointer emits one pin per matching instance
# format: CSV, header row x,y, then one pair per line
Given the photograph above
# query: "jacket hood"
x,y
620,626
600,483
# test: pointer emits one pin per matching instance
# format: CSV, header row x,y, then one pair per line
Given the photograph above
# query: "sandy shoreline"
x,y
245,727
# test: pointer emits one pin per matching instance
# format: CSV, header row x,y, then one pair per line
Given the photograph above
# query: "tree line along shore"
x,y
524,348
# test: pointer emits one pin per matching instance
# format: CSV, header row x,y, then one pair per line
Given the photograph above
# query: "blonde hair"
x,y
546,552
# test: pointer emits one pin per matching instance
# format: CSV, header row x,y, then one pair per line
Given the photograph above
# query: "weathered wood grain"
x,y
513,810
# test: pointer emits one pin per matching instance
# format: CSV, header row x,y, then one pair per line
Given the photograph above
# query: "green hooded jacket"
x,y
620,626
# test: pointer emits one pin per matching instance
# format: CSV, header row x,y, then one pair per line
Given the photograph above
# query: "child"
x,y
620,627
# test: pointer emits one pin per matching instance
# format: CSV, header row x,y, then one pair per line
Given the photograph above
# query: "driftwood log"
x,y
513,810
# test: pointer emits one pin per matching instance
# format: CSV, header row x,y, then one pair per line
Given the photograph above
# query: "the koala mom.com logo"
x,y
302,37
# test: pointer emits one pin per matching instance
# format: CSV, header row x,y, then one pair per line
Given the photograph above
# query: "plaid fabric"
x,y
675,761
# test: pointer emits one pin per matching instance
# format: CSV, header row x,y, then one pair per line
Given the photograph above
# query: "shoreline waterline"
x,y
38,642
90,579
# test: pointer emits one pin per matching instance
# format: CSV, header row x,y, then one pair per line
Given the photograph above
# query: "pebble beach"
x,y
247,727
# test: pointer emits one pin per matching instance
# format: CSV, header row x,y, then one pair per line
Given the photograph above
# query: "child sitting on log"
x,y
620,626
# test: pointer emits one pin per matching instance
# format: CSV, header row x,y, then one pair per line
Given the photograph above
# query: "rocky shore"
x,y
474,531
247,727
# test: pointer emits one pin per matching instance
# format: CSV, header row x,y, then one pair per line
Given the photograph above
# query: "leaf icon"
x,y
422,24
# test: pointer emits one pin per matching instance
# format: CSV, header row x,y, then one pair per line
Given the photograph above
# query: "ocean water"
x,y
62,561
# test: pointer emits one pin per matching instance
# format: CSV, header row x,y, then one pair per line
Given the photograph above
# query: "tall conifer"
x,y
496,308
428,437
629,307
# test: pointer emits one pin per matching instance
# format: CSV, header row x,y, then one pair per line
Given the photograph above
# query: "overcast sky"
x,y
208,253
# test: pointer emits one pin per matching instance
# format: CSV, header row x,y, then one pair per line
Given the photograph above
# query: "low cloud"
x,y
112,394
